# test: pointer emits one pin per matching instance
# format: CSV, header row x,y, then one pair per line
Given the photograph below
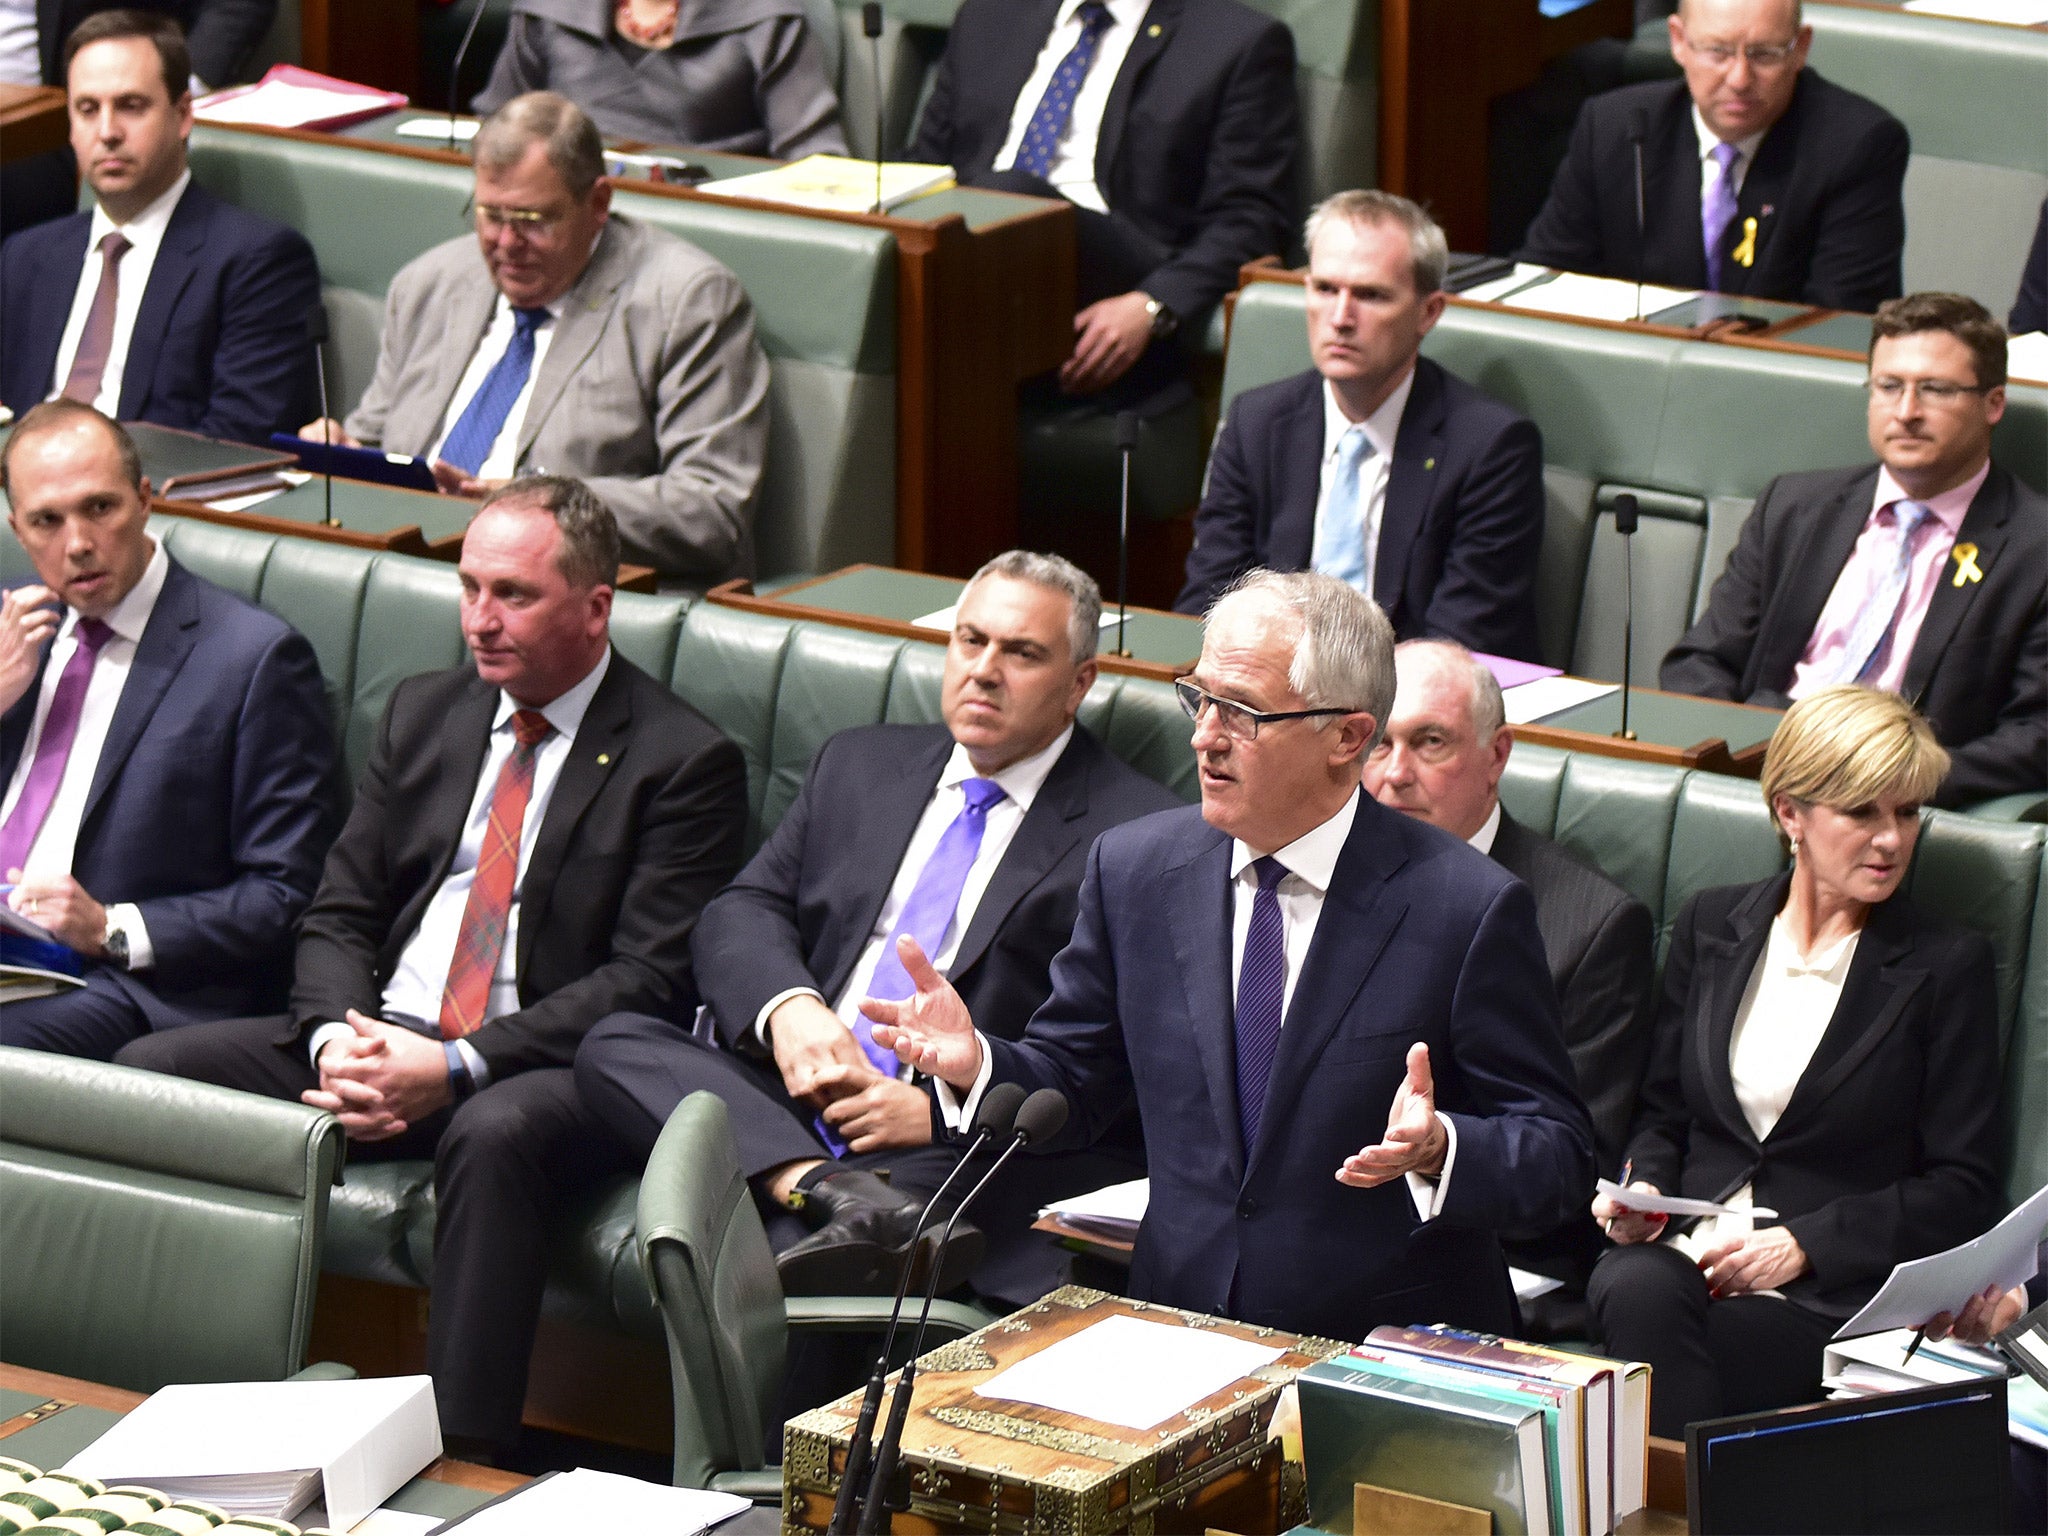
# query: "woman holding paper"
x,y
1826,1051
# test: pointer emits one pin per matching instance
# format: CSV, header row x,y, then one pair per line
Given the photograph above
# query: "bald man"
x,y
1756,176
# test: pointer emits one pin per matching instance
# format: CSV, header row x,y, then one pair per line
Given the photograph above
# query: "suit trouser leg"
x,y
233,1053
92,1021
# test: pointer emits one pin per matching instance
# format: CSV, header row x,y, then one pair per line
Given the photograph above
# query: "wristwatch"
x,y
1164,321
114,943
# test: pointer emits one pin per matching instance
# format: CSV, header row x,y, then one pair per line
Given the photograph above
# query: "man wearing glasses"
x,y
571,339
1754,176
1923,574
1335,1021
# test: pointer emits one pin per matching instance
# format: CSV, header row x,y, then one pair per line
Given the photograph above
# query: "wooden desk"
x,y
1674,729
32,121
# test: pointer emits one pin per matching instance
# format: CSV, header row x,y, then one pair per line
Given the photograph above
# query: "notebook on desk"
x,y
371,464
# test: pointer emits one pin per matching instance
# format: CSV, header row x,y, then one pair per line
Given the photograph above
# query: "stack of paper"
x,y
834,182
584,1500
2006,1256
1113,1212
2026,356
290,97
1125,1370
1546,696
1598,298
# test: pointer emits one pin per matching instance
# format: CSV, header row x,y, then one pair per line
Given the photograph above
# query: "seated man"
x,y
1921,574
1171,126
163,304
1378,467
971,835
1753,175
532,840
165,754
1441,762
572,337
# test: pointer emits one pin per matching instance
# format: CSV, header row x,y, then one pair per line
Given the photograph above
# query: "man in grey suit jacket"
x,y
572,340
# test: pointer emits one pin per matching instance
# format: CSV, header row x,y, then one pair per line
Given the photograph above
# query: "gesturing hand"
x,y
1764,1260
931,1028
1415,1141
28,620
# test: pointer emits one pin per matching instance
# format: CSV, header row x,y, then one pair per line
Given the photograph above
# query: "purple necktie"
x,y
96,341
926,917
1717,211
53,748
1869,645
1261,996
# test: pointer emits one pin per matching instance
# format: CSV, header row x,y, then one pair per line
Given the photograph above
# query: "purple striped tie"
x,y
53,749
1261,996
1717,211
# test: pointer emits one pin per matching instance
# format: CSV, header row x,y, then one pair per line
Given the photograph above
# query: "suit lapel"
x,y
1671,196
586,310
46,310
1814,565
1983,526
1721,971
1409,479
177,260
465,748
471,309
1298,476
167,639
1155,33
1201,949
1764,187
1880,981
594,756
1045,836
884,822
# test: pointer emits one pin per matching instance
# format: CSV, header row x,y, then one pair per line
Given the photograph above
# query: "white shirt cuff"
x,y
773,1003
955,1111
472,1058
334,1029
127,917
1428,1194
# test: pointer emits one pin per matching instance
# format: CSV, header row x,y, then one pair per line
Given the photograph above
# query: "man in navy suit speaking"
x,y
1336,1021
162,303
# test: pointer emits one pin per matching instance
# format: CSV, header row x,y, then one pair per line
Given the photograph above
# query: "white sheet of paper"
x,y
1114,1202
1529,1285
1674,1205
1548,696
1525,272
2013,13
281,105
2026,355
436,128
1598,298
942,618
2006,1256
1125,1370
584,1500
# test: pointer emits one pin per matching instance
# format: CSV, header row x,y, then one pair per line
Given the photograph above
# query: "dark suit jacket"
x,y
1824,189
2030,309
1979,669
1889,1147
1420,939
220,344
1199,139
1463,523
646,821
210,807
221,34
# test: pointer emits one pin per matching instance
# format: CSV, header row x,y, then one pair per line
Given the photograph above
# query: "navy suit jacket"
x,y
1825,190
211,807
221,34
220,344
2030,308
1421,939
1463,523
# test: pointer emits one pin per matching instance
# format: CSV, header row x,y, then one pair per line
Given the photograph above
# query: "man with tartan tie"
x,y
530,845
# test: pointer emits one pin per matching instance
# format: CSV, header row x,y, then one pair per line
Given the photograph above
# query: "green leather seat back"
x,y
156,1231
2026,1064
831,679
729,664
1984,875
1619,816
645,629
411,623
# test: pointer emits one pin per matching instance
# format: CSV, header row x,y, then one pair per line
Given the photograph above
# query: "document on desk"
x,y
1114,1211
1643,1201
2006,1256
2026,356
1580,297
1530,702
1124,1370
584,1500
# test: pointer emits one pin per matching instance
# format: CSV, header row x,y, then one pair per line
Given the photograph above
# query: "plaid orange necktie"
x,y
481,939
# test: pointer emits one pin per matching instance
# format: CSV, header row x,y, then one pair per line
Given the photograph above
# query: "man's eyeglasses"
x,y
1238,721
1935,392
1762,57
525,222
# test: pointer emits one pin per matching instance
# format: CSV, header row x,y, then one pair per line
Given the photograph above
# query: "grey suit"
x,y
653,389
744,76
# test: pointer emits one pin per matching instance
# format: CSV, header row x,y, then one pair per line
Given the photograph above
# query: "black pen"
x,y
1919,1338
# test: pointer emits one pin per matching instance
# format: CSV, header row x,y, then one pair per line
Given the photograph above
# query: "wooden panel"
x,y
32,121
372,42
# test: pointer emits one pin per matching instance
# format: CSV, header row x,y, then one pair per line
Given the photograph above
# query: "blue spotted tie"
x,y
1261,995
484,418
1048,123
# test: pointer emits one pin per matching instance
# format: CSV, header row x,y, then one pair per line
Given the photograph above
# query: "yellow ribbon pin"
x,y
1967,569
1745,253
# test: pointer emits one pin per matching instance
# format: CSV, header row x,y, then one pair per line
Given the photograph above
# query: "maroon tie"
x,y
97,340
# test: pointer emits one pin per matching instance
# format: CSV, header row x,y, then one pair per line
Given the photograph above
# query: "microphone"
x,y
316,332
871,28
999,1107
1041,1118
1637,130
1625,514
476,14
1126,444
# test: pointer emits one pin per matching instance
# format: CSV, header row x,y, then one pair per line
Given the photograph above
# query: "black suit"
x,y
801,914
1824,189
2030,309
1463,522
1887,1151
1979,668
645,822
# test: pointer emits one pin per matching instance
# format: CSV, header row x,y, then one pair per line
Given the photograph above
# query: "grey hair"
x,y
1489,709
1344,655
1084,597
542,117
589,556
1429,251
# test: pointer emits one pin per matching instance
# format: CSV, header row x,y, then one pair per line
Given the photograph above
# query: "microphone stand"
x,y
1635,137
1126,444
476,14
871,28
1626,512
316,329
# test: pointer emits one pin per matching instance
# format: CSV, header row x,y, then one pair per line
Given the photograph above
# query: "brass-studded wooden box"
x,y
988,1464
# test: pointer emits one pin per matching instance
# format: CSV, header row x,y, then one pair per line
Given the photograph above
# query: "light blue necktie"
x,y
1048,125
484,417
1870,642
1340,532
1717,211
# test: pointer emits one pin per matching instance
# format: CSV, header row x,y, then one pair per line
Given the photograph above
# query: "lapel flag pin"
x,y
603,758
1429,463
1154,30
1967,569
1746,251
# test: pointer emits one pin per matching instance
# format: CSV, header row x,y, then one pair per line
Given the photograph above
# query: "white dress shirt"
x,y
145,234
1488,831
502,460
57,841
421,976
21,59
1381,429
1073,166
1710,168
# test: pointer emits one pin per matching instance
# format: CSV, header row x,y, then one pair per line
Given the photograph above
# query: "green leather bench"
x,y
824,296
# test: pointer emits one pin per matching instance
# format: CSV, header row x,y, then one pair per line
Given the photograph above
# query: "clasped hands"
x,y
1762,1260
822,1065
382,1080
448,479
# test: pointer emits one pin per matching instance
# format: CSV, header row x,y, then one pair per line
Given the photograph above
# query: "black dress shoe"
x,y
864,1239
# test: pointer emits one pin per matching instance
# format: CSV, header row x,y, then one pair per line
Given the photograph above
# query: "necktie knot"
x,y
526,321
981,793
1725,155
1909,516
1354,447
530,728
114,245
91,634
1270,872
1094,15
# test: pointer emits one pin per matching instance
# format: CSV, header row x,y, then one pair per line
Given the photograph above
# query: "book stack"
x,y
1545,1442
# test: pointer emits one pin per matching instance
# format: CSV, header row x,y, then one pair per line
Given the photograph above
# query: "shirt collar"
x,y
130,617
565,713
1745,149
1951,506
1313,855
1381,427
1488,831
1021,781
147,227
1830,963
554,310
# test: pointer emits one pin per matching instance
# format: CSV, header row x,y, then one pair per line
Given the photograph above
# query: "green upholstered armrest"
x,y
2030,805
763,1486
870,1314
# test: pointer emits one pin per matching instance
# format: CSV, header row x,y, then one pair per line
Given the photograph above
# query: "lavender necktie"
x,y
1870,643
1717,211
96,341
53,748
1261,996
